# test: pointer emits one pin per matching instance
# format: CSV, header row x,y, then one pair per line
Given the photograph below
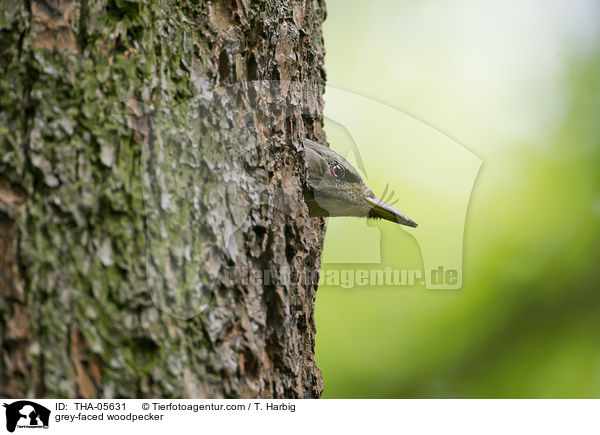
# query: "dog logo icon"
x,y
26,414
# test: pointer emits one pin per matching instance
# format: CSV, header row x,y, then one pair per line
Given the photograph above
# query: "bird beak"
x,y
387,212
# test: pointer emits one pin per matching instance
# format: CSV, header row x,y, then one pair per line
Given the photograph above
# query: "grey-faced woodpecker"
x,y
335,188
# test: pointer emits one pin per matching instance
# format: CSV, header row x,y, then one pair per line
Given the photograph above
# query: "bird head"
x,y
335,188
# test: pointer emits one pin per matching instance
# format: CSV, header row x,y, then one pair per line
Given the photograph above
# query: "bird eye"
x,y
337,170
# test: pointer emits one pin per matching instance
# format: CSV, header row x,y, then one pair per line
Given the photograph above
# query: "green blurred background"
x,y
518,84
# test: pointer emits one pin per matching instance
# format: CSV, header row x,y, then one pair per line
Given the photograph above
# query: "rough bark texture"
x,y
103,207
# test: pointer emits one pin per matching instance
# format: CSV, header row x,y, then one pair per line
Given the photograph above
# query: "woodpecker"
x,y
335,188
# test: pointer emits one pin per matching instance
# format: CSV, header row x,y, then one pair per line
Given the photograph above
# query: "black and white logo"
x,y
25,414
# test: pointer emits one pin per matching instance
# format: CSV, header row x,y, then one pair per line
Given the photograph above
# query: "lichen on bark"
x,y
77,318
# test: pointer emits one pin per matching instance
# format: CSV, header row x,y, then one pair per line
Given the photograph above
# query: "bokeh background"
x,y
518,84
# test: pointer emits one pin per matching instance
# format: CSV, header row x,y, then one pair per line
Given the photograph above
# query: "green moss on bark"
x,y
83,231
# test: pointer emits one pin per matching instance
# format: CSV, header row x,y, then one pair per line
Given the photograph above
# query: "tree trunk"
x,y
150,198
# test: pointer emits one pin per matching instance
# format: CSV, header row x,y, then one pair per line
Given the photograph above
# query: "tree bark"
x,y
149,152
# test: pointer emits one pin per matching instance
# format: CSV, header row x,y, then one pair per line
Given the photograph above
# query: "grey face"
x,y
335,188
